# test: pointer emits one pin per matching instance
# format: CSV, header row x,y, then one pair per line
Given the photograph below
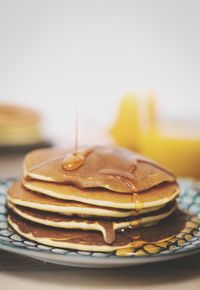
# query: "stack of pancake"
x,y
18,125
95,199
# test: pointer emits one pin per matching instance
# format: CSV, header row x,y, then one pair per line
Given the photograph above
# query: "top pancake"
x,y
112,168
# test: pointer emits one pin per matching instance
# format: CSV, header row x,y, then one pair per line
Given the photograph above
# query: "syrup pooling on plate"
x,y
174,231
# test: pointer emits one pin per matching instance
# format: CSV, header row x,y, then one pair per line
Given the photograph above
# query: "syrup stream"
x,y
76,129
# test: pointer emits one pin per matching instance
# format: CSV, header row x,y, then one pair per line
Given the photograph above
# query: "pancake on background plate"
x,y
100,198
19,126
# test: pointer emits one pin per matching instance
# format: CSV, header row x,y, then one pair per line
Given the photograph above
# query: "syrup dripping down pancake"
x,y
112,168
93,241
156,196
19,195
106,227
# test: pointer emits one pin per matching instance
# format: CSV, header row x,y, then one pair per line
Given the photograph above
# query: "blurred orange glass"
x,y
174,146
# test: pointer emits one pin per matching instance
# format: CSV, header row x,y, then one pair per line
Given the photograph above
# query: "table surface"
x,y
17,272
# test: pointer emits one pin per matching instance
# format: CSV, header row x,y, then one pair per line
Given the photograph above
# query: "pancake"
x,y
93,241
18,125
19,135
14,115
156,196
112,168
106,227
96,199
19,195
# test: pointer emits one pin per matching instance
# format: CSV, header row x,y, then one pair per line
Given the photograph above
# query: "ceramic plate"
x,y
186,245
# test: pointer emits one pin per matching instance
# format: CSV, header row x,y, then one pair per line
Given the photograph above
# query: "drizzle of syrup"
x,y
109,232
75,160
137,203
116,172
127,178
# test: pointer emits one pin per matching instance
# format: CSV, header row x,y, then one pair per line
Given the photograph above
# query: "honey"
x,y
75,160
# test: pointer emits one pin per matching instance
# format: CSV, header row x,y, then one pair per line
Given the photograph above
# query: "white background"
x,y
55,51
